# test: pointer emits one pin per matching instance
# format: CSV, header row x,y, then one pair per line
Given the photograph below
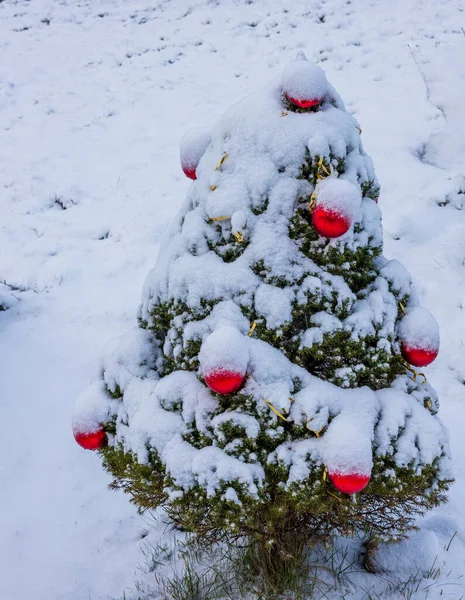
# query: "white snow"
x,y
93,104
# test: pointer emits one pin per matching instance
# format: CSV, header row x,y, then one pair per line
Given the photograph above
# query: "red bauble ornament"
x,y
304,103
93,440
418,357
189,172
329,223
224,381
350,483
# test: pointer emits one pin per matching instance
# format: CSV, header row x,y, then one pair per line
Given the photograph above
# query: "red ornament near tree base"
x,y
349,483
93,440
223,381
330,223
418,357
304,103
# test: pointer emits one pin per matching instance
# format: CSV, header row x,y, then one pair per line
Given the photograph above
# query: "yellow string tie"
x,y
415,373
402,307
429,405
284,114
325,474
410,369
219,218
334,496
253,325
322,166
312,203
276,412
221,161
239,236
314,431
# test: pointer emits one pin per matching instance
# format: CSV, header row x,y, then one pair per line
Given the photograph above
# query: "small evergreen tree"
x,y
267,381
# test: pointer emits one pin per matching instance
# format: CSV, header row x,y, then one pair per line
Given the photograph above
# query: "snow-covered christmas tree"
x,y
269,392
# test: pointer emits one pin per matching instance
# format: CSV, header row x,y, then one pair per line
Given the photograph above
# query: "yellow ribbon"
x,y
221,161
402,307
253,325
314,431
219,218
312,203
415,374
334,496
239,236
322,166
276,412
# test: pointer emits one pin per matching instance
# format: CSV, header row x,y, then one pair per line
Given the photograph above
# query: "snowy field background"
x,y
94,97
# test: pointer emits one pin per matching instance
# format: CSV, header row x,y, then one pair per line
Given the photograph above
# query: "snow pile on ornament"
x,y
271,314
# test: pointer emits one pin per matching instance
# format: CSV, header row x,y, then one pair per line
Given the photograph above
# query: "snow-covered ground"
x,y
94,97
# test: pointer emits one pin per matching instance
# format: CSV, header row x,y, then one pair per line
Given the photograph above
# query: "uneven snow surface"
x,y
94,98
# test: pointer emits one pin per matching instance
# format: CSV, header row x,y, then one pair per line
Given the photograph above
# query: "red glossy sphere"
x,y
189,172
417,356
224,382
349,483
302,103
91,441
329,223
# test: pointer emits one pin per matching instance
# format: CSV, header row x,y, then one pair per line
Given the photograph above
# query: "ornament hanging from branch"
x,y
193,146
419,336
223,359
337,205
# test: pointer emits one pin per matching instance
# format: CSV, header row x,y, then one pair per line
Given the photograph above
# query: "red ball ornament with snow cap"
x,y
223,381
330,223
91,440
419,335
349,483
338,203
193,146
303,83
224,357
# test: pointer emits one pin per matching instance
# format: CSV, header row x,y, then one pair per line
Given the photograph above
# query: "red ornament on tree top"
x,y
303,83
